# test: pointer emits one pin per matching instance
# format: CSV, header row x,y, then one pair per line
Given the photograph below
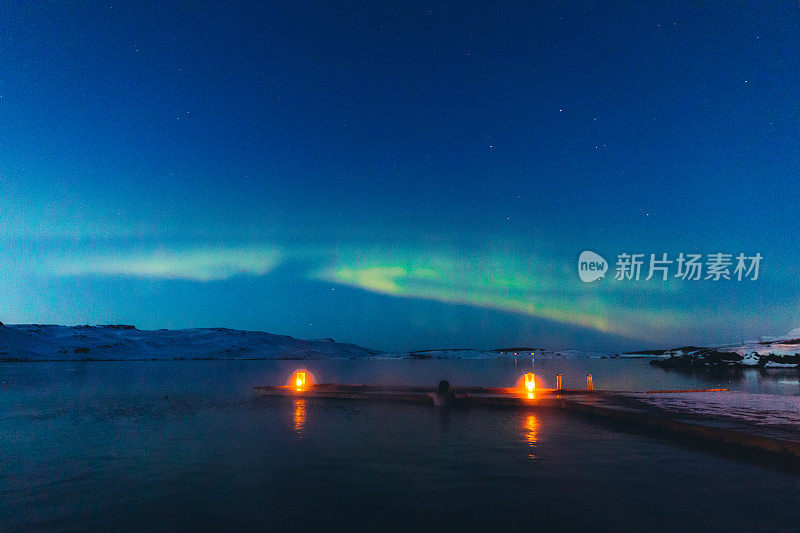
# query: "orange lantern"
x,y
530,382
301,380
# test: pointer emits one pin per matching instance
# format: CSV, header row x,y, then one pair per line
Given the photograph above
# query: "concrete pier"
x,y
614,406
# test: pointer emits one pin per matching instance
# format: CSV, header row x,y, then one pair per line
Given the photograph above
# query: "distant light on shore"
x,y
301,380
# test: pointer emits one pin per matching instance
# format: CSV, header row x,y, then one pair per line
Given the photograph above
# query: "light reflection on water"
x,y
299,415
531,427
177,445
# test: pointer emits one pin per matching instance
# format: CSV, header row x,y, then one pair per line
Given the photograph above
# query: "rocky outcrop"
x,y
681,358
739,356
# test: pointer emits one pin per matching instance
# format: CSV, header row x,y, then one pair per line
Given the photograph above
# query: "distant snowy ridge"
x,y
33,342
777,352
792,336
496,353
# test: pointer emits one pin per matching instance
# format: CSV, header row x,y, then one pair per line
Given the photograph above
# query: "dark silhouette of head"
x,y
444,386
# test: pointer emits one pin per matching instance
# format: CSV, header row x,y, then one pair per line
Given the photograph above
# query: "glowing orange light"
x,y
301,380
530,382
589,383
526,385
558,382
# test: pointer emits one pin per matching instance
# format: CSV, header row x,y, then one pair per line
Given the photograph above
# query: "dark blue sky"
x,y
400,175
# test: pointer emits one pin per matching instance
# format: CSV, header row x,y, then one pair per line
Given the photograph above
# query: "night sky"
x,y
409,175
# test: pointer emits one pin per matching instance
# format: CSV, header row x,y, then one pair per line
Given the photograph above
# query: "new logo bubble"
x,y
591,266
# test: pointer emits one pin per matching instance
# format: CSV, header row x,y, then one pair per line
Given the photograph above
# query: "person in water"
x,y
443,397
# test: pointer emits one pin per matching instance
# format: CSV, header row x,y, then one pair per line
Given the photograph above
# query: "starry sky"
x,y
400,175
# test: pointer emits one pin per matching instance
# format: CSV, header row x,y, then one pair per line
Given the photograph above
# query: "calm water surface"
x,y
167,445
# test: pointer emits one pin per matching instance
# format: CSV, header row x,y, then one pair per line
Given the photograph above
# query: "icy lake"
x,y
185,444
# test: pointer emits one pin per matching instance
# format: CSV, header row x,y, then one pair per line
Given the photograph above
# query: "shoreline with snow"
x,y
754,354
54,343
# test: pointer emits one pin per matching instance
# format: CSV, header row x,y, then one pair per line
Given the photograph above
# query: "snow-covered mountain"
x,y
33,342
767,352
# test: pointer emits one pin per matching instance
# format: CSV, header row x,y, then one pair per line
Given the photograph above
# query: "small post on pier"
x,y
589,384
558,381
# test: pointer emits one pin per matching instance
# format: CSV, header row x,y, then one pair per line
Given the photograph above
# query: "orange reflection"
x,y
530,430
299,415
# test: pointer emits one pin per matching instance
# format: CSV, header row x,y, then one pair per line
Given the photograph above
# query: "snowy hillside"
x,y
33,342
767,352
